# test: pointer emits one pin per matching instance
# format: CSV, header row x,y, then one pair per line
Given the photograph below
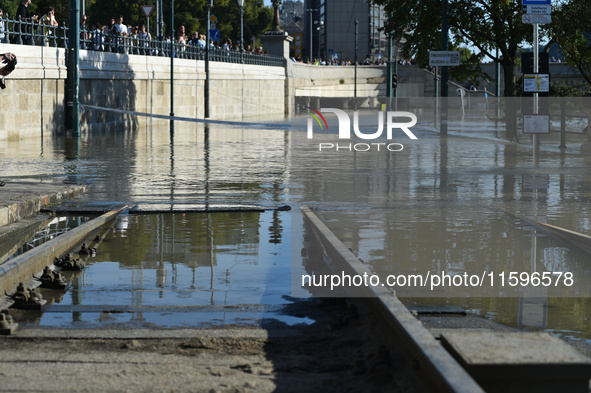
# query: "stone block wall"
x,y
33,102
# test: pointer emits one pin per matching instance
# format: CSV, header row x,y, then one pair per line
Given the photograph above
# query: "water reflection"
x,y
180,270
451,205
194,163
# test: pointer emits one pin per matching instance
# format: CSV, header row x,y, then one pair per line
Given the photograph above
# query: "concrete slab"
x,y
445,309
193,207
519,362
22,199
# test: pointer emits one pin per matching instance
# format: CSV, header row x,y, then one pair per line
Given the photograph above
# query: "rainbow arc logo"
x,y
316,117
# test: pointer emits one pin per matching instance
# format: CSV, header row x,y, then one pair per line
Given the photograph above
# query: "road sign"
x,y
537,2
537,9
379,56
536,124
444,58
147,10
537,19
213,18
214,35
536,83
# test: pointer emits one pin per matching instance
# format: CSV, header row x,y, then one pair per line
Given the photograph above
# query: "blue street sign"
x,y
379,56
537,2
330,51
214,35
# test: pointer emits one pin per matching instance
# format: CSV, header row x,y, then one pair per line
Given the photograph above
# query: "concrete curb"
x,y
24,199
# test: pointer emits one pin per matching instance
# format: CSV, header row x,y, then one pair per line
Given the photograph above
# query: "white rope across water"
x,y
274,126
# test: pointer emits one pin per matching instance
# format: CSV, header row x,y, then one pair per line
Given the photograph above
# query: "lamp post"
x,y
209,4
310,10
241,5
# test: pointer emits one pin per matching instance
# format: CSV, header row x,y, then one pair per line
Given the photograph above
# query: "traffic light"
x,y
394,81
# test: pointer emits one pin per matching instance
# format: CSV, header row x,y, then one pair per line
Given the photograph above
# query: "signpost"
x,y
536,12
147,11
536,83
537,9
536,19
444,58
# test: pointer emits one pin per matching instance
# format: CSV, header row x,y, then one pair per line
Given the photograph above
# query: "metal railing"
x,y
34,33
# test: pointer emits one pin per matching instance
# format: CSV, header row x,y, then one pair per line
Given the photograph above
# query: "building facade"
x,y
329,30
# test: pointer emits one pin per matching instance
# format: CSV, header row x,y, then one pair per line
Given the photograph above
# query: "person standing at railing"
x,y
195,40
48,20
84,34
3,28
107,33
181,40
23,14
96,38
145,38
120,31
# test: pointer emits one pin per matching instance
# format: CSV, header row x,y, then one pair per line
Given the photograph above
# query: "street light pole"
x,y
209,3
310,10
241,5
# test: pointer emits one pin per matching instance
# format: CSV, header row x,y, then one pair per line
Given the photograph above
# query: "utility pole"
x,y
444,69
73,82
171,64
356,49
209,3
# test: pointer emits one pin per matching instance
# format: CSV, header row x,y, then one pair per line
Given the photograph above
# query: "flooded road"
x,y
439,205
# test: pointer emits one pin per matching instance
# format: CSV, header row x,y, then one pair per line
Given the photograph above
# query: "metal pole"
x,y
444,69
171,58
207,50
242,34
389,74
311,33
535,137
73,87
356,49
498,84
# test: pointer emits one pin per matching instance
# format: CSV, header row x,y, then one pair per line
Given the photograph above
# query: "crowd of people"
x,y
347,61
115,36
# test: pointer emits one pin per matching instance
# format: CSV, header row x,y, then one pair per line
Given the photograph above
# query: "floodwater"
x,y
440,205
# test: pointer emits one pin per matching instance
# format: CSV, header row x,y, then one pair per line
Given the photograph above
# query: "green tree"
x,y
482,24
571,30
190,13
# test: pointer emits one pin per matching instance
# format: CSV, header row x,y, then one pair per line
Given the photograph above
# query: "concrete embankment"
x,y
23,199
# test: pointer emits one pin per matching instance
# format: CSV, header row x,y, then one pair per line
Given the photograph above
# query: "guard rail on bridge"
x,y
35,33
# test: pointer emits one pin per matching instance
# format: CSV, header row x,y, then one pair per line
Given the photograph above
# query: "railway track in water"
x,y
366,342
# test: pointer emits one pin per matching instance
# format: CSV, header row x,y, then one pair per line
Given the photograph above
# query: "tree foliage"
x,y
190,13
571,30
482,24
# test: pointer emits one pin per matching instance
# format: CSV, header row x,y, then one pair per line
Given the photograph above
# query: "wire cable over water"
x,y
273,126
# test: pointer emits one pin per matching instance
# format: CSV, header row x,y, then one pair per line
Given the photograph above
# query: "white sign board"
x,y
536,124
147,10
536,19
444,58
537,9
536,83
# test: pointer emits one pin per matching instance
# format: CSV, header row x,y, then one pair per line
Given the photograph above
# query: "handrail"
x,y
34,33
